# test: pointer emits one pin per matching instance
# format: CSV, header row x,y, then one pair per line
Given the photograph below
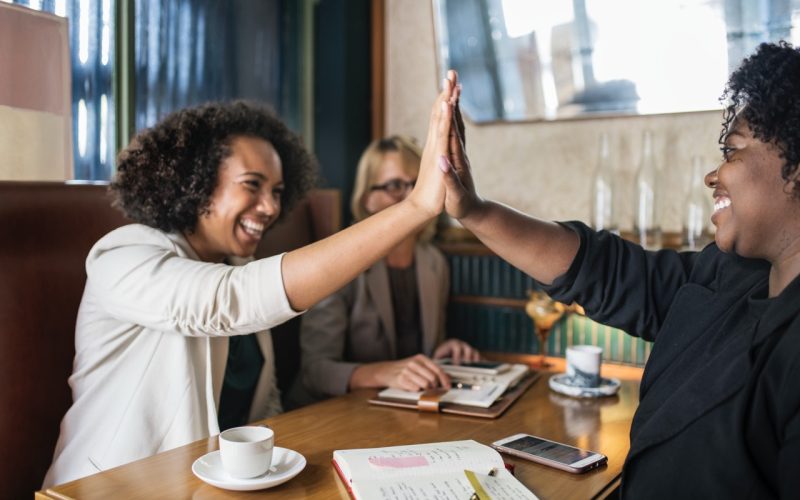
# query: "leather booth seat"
x,y
46,231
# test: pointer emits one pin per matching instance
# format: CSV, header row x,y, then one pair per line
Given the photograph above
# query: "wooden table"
x,y
350,422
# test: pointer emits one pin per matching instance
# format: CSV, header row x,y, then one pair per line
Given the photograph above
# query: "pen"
x,y
464,385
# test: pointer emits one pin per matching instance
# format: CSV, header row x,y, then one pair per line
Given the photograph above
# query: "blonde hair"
x,y
371,161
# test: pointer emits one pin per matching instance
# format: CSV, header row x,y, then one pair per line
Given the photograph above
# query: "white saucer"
x,y
562,383
285,465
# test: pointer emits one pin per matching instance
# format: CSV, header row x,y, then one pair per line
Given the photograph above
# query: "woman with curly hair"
x,y
162,296
383,328
719,412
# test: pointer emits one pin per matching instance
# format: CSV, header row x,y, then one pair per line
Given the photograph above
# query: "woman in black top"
x,y
720,398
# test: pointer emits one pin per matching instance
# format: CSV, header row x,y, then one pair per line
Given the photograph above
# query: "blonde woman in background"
x,y
383,328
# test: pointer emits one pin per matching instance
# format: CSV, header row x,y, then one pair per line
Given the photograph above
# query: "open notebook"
x,y
481,394
454,470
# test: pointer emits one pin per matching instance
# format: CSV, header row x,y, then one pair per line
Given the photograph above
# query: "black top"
x,y
719,412
405,303
241,377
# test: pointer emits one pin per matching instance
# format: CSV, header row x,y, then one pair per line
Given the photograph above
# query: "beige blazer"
x,y
151,344
356,325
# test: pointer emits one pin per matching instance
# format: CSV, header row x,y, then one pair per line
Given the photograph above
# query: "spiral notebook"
x,y
455,470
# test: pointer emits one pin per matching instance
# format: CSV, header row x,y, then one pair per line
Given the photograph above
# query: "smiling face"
x,y
754,211
246,201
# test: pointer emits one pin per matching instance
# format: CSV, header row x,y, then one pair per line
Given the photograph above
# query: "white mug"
x,y
583,365
246,451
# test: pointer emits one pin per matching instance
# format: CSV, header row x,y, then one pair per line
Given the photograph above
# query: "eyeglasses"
x,y
394,187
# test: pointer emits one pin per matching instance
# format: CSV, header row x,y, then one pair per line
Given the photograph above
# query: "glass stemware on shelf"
x,y
545,312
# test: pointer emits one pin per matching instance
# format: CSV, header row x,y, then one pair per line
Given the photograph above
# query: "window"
x,y
185,52
524,60
192,51
91,39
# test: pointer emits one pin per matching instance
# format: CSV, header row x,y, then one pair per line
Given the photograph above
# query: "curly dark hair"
x,y
166,176
765,91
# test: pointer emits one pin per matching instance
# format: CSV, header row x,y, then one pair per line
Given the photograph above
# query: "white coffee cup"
x,y
246,451
583,365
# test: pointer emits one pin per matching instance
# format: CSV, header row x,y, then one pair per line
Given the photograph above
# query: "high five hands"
x,y
461,197
444,152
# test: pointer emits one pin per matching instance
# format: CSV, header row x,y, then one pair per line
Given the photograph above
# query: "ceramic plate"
x,y
562,384
285,465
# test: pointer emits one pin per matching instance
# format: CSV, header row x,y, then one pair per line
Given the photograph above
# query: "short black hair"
x,y
765,91
166,176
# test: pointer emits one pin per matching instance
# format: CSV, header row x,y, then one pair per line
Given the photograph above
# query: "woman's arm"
x,y
317,270
544,250
541,249
323,336
414,373
145,277
617,282
326,373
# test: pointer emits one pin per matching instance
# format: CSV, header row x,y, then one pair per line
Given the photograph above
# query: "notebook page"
x,y
445,486
417,460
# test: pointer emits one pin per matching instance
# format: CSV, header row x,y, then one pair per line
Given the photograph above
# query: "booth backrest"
x,y
46,231
314,218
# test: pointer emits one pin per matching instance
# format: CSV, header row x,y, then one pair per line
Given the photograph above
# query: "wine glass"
x,y
544,312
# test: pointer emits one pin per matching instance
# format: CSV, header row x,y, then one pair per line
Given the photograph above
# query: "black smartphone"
x,y
546,452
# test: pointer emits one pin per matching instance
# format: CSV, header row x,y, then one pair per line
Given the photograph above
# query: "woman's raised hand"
x,y
429,191
315,271
461,196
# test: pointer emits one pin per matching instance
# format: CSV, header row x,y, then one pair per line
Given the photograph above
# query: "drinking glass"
x,y
544,312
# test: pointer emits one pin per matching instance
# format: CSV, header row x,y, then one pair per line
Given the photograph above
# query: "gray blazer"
x,y
356,325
